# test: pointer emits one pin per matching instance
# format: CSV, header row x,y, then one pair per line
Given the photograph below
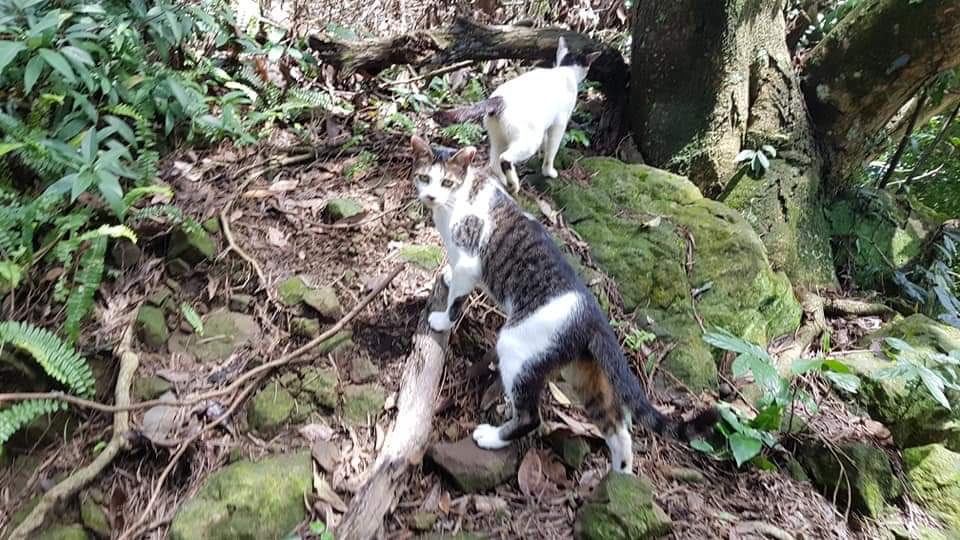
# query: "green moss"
x,y
342,208
698,245
292,290
64,532
322,384
859,473
934,475
362,402
426,257
622,507
193,246
270,409
152,326
247,500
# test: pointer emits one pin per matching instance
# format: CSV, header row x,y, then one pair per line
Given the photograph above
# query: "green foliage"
x,y
745,437
756,162
933,371
578,137
192,317
464,134
934,287
362,164
59,360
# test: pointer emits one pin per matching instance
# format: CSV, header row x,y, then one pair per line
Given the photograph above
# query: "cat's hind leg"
x,y
604,409
517,151
551,144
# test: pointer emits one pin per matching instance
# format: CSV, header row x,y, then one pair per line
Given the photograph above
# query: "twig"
x,y
129,362
330,332
232,246
321,226
933,145
892,165
434,73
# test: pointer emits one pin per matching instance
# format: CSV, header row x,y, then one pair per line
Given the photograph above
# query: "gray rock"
x,y
473,468
338,209
324,300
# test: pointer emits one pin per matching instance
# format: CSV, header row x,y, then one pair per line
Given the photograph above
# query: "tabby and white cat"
x,y
553,320
528,113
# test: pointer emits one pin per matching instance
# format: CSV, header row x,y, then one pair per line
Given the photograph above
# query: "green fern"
x,y
58,360
170,212
14,418
464,134
85,284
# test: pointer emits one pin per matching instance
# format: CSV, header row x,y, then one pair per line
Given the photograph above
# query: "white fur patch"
x,y
621,449
488,437
533,336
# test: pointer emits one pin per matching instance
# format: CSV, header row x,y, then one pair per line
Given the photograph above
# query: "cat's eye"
x,y
447,183
421,178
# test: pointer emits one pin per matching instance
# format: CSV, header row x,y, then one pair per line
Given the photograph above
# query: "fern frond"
x,y
85,284
170,212
12,419
58,360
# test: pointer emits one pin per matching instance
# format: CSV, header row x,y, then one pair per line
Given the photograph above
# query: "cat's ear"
x,y
592,57
421,149
561,50
460,161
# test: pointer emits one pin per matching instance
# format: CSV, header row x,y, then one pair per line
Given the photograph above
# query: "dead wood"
x,y
407,439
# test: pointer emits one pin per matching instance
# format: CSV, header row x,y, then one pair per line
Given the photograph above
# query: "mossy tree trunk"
x,y
713,77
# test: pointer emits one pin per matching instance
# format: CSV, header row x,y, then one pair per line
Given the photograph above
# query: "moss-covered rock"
x,y
322,384
64,532
152,326
147,388
247,500
94,518
906,408
224,332
362,402
571,448
859,473
934,475
621,507
875,229
291,290
337,209
324,301
270,409
426,257
193,246
695,245
305,327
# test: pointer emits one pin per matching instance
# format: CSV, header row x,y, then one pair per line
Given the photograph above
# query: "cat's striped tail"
x,y
492,106
606,351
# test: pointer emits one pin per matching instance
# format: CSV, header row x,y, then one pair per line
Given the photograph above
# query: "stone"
x,y
160,296
193,245
934,475
338,209
906,409
472,468
305,327
94,518
148,388
64,532
322,384
686,475
211,225
124,253
572,449
362,402
423,521
240,302
865,469
248,500
152,326
425,257
362,369
179,267
621,507
270,409
291,290
325,302
740,290
223,333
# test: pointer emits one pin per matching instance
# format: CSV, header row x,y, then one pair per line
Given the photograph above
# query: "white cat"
x,y
528,113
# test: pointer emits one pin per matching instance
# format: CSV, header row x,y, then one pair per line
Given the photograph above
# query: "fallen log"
x,y
407,439
467,40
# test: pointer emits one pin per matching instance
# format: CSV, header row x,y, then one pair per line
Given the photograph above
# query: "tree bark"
x,y
711,78
466,40
407,439
862,73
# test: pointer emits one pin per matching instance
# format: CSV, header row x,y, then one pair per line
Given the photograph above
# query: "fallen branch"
x,y
466,40
850,306
407,439
330,332
234,247
129,362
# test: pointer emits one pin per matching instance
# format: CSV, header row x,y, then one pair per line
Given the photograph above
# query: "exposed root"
x,y
850,306
129,362
814,326
232,246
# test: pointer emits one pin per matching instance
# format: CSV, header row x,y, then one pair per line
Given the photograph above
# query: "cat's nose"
x,y
429,199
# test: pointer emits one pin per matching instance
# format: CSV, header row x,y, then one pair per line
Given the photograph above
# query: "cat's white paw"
x,y
439,321
488,437
447,275
549,172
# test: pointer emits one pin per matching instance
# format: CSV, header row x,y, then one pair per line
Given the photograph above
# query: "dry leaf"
x,y
314,432
276,237
281,186
487,505
326,493
653,222
548,211
443,503
491,395
530,475
325,453
558,394
578,427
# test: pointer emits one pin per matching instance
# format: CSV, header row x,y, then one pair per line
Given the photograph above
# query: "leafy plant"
x,y
464,134
60,361
574,136
756,162
746,436
192,318
933,371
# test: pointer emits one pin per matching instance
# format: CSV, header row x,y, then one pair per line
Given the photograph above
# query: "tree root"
x,y
408,437
850,306
129,362
814,326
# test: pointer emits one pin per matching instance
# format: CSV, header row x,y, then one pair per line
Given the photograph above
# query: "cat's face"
x,y
439,172
578,61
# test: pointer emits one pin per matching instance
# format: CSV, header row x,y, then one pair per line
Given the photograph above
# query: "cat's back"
x,y
539,88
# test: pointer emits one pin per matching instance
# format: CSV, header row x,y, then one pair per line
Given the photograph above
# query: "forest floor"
x,y
276,214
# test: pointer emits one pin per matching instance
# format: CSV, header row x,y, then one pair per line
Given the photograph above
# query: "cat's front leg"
x,y
463,278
